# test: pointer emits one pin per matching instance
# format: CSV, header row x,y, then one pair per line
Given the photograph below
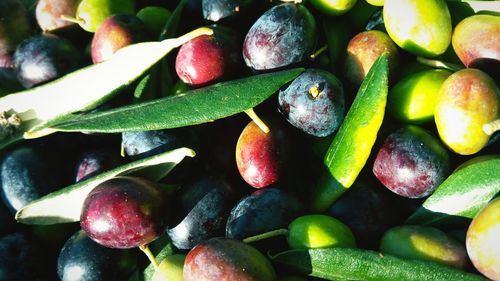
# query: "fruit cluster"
x,y
372,151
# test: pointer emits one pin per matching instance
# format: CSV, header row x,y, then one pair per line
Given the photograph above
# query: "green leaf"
x,y
170,28
353,143
358,264
477,6
194,107
461,195
83,89
65,205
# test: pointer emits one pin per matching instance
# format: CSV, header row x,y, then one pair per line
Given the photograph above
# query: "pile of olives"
x,y
221,214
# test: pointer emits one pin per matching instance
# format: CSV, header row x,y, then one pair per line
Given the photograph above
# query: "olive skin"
x,y
124,212
260,156
411,162
482,240
413,99
284,35
424,243
43,58
263,210
201,211
421,27
467,100
313,102
116,32
319,231
476,38
363,50
82,259
49,13
224,259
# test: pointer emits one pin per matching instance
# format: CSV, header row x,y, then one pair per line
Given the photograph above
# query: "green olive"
x,y
319,231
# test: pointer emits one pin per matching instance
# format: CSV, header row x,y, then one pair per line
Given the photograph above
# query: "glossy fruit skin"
x,y
44,58
115,32
84,260
146,143
422,28
411,162
14,28
260,157
48,13
368,211
215,10
93,12
482,240
95,162
313,102
170,269
363,50
207,59
467,100
201,211
334,8
475,38
224,259
424,243
376,2
124,212
25,175
413,99
319,231
284,35
263,210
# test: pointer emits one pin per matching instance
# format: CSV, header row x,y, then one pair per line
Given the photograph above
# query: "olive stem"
x,y
72,19
319,52
145,249
439,64
492,127
255,118
266,235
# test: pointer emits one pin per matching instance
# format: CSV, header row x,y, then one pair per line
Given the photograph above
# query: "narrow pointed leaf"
x,y
83,89
461,195
358,264
194,107
353,143
65,205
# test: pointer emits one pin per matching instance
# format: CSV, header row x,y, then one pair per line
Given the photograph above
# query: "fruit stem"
x,y
439,64
492,127
189,36
266,235
72,19
145,249
251,113
319,52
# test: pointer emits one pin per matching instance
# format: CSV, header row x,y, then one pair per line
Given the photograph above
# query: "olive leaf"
x,y
359,264
193,107
65,205
476,6
461,195
352,145
80,90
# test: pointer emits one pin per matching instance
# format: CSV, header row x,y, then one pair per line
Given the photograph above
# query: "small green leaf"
x,y
461,195
83,89
65,205
194,107
358,264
